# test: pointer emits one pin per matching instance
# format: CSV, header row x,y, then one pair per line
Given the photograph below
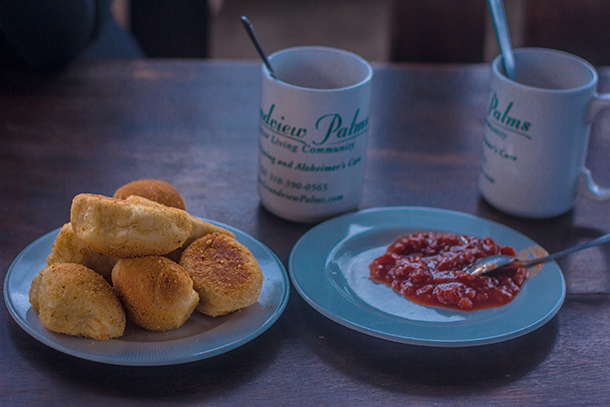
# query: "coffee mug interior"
x,y
320,68
549,69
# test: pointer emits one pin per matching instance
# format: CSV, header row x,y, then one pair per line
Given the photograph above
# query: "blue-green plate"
x,y
329,268
200,337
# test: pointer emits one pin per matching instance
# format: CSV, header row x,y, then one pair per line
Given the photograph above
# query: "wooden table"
x,y
96,127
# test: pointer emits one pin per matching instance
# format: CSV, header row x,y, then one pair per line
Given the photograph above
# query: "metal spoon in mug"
x,y
490,263
250,30
498,15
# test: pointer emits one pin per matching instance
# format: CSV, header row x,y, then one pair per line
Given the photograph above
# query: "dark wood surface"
x,y
96,127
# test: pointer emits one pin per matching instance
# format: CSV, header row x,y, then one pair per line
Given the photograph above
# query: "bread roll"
x,y
68,248
156,292
153,189
124,229
199,229
74,300
225,274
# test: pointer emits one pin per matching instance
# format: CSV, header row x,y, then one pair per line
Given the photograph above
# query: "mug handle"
x,y
586,186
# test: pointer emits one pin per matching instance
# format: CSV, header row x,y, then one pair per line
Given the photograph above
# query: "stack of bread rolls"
x,y
141,257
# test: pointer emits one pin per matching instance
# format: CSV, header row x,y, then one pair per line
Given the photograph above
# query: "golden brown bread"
x,y
199,228
225,274
68,248
153,189
156,292
124,229
202,228
74,300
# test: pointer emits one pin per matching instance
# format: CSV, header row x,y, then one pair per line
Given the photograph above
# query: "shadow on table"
x,y
405,368
585,272
554,234
278,234
201,381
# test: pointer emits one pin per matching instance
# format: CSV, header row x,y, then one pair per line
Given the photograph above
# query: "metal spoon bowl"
x,y
490,263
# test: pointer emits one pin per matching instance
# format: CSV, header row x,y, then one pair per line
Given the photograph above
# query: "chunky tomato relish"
x,y
430,268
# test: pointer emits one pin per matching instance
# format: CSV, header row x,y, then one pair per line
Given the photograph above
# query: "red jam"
x,y
429,268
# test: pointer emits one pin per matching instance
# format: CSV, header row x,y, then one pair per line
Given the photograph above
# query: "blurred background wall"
x,y
432,31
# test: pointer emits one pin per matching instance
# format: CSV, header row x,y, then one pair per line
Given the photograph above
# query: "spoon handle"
x,y
600,240
250,30
498,14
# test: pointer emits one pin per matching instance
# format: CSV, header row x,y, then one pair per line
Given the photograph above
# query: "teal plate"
x,y
199,338
329,268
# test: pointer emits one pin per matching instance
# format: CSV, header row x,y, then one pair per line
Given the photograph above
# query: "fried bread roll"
x,y
225,274
156,292
68,248
74,300
200,228
153,189
124,229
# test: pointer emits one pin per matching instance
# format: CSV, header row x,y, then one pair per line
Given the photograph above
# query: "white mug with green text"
x,y
536,134
314,124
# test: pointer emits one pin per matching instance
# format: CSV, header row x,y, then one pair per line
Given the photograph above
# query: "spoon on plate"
x,y
498,15
250,30
490,263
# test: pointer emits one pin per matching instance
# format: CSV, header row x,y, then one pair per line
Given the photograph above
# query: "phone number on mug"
x,y
297,185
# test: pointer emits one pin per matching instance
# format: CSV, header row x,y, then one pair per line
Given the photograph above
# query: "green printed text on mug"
x,y
327,135
498,150
304,166
499,117
502,125
295,191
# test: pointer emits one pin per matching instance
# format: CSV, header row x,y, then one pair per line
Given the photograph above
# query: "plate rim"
x,y
448,343
282,278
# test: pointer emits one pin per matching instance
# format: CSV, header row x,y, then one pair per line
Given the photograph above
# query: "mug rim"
x,y
352,55
495,66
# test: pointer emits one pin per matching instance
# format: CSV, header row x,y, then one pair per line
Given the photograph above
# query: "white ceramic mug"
x,y
536,134
314,124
